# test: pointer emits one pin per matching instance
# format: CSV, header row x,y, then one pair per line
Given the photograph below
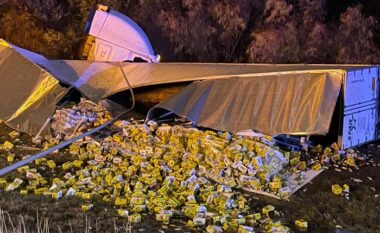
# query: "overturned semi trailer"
x,y
273,99
301,100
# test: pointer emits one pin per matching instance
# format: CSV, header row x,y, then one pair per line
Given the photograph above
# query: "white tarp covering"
x,y
300,103
275,99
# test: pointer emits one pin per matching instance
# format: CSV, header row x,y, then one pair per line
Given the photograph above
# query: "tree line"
x,y
260,31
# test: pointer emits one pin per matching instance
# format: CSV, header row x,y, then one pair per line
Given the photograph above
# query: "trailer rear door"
x,y
360,106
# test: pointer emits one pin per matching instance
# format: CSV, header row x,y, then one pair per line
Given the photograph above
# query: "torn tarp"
x,y
28,94
284,103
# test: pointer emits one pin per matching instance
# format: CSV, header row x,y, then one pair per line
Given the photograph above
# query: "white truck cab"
x,y
114,37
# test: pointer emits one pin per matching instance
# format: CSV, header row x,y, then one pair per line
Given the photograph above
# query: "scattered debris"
x,y
176,171
336,189
346,191
7,145
71,122
341,191
28,147
14,134
357,180
87,207
301,224
169,171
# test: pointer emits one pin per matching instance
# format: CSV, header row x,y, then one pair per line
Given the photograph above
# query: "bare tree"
x,y
355,38
275,41
205,30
